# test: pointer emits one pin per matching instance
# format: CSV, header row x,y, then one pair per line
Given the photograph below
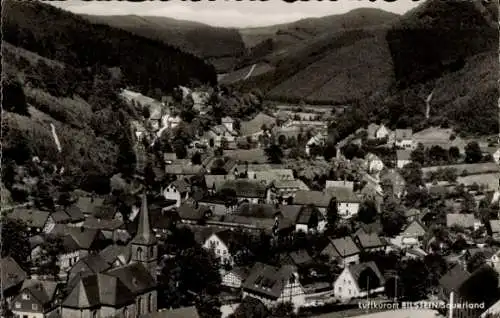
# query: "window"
x,y
150,303
225,252
139,253
34,306
349,292
94,314
26,297
139,307
340,289
18,305
218,251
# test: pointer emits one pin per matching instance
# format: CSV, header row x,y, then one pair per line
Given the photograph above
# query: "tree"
x,y
274,154
196,159
14,99
48,262
332,214
282,140
329,152
368,280
454,153
126,155
180,149
392,217
393,287
250,308
283,310
473,153
367,212
418,155
15,241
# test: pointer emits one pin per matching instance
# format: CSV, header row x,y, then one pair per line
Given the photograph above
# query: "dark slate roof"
x,y
246,188
268,281
75,213
189,212
370,240
60,217
290,212
44,291
257,210
12,274
99,289
357,269
453,279
183,312
345,246
112,252
83,237
102,224
181,185
300,257
105,212
135,276
316,198
343,194
32,218
88,204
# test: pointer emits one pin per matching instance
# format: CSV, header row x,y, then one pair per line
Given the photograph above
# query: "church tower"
x,y
144,245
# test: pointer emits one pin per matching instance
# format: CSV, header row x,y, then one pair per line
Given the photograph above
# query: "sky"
x,y
232,13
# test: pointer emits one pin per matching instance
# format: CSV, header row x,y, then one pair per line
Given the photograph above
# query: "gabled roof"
x,y
43,290
189,212
257,210
495,226
135,276
345,246
88,204
60,217
32,218
460,219
99,289
306,213
300,257
316,198
105,224
369,240
231,239
83,237
453,279
216,181
343,195
402,134
113,252
11,274
415,228
268,281
357,269
246,188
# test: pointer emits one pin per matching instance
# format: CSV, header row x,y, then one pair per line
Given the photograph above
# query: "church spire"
x,y
144,234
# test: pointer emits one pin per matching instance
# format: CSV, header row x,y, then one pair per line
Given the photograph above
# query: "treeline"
x,y
58,35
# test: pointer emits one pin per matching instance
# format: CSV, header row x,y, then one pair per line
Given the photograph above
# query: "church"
x,y
121,290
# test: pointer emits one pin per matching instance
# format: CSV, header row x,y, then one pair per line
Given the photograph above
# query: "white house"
x,y
228,122
347,202
273,285
381,132
220,244
318,140
177,191
358,280
404,138
374,164
496,156
235,277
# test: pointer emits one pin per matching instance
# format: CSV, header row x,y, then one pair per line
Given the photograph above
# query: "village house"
x,y
252,191
373,163
221,135
412,214
342,250
177,191
193,213
347,202
310,219
90,264
12,277
217,206
116,255
375,131
369,242
403,157
273,285
111,229
37,298
184,171
395,180
286,189
403,138
235,277
318,140
224,244
449,289
88,204
319,199
358,280
413,234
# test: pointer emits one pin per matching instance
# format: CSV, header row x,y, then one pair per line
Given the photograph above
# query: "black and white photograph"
x,y
250,159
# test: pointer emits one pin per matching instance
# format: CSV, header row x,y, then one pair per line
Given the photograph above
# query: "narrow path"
x,y
250,72
56,138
